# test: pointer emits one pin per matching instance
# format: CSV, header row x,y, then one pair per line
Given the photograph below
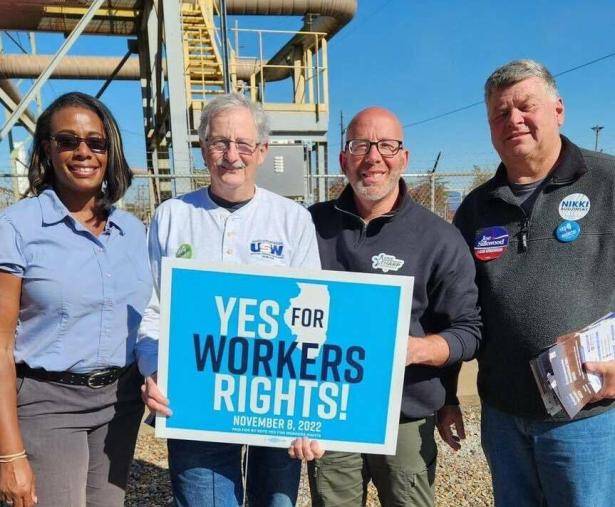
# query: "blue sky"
x,y
423,59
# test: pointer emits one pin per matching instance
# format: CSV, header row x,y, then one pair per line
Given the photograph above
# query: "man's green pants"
x,y
340,479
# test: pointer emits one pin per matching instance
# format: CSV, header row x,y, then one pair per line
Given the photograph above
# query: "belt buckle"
x,y
92,379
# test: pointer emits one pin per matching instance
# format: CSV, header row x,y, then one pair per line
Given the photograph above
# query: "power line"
x,y
474,104
585,64
448,113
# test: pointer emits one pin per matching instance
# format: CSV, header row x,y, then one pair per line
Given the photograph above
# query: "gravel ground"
x,y
462,477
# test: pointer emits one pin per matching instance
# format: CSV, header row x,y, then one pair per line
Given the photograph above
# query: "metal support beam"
x,y
225,47
11,106
39,99
42,79
180,133
147,30
114,73
80,11
321,170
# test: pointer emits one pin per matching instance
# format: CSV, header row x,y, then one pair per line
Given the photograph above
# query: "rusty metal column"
x,y
225,49
178,107
152,77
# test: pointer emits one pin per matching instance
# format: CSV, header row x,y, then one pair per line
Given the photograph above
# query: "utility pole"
x,y
432,183
597,129
342,130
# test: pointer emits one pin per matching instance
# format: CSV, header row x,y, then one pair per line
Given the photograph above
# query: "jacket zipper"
x,y
364,224
524,233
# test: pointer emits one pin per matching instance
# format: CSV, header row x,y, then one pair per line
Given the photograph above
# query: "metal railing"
x,y
308,68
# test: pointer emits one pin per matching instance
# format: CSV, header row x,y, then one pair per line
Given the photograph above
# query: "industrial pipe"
x,y
90,67
71,67
329,16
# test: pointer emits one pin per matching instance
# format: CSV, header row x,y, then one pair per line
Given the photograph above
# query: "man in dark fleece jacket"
x,y
375,227
543,237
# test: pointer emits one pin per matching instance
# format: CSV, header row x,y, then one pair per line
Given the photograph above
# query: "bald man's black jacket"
x,y
444,299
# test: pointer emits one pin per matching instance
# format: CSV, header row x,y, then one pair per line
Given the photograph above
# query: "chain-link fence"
x,y
440,192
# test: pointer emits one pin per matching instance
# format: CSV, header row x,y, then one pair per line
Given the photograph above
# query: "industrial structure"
x,y
183,54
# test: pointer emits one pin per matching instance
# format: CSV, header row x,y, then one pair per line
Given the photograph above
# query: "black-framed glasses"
x,y
70,142
386,147
222,144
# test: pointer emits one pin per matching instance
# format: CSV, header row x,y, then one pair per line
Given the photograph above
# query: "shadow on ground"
x,y
148,486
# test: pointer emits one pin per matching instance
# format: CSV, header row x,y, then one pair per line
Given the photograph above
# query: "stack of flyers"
x,y
543,373
598,344
562,381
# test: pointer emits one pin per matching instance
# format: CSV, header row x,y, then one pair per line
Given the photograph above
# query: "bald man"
x,y
375,227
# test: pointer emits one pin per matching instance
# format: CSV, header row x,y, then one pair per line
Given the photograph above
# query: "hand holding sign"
x,y
304,448
153,398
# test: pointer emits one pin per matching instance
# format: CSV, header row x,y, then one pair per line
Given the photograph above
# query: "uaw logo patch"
x,y
386,262
490,243
267,249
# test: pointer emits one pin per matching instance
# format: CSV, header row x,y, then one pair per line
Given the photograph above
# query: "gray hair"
x,y
516,71
230,101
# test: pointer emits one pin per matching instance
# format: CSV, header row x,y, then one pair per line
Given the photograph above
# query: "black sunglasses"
x,y
70,142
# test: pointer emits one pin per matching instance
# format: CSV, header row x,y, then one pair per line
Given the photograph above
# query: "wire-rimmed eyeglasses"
x,y
222,144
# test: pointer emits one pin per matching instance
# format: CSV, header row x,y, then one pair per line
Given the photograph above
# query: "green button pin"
x,y
184,251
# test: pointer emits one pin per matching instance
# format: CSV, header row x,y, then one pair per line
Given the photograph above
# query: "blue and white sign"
x,y
261,355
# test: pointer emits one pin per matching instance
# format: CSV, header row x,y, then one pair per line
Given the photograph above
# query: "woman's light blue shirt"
x,y
82,297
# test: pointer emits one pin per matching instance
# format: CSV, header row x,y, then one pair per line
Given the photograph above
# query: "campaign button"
x,y
490,243
567,231
574,207
184,251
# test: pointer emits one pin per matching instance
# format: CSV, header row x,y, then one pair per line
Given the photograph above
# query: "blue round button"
x,y
567,231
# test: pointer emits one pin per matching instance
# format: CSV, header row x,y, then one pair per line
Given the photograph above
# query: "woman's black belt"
x,y
94,379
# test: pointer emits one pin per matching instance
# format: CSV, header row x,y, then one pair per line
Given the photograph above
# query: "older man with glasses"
x,y
375,227
219,223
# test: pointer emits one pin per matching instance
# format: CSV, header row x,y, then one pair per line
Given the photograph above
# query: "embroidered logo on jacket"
x,y
268,249
386,262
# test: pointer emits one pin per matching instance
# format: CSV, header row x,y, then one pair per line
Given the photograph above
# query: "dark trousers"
x,y
80,441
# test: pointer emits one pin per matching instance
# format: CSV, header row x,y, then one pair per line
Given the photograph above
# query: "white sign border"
x,y
405,283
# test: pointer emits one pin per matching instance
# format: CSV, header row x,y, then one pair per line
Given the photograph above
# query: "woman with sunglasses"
x,y
73,285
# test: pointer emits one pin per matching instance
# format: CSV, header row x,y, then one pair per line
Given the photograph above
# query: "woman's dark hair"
x,y
118,175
